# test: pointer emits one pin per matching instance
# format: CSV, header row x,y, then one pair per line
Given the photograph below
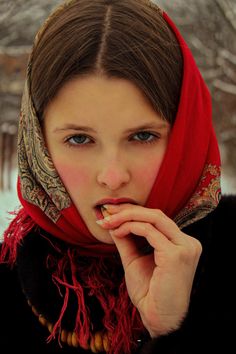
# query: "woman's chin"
x,y
102,236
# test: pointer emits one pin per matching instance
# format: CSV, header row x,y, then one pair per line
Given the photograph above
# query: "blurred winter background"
x,y
209,27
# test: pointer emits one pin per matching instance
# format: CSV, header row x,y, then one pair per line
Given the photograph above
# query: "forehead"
x,y
96,99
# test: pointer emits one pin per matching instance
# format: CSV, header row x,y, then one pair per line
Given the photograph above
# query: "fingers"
x,y
119,214
155,238
127,249
188,251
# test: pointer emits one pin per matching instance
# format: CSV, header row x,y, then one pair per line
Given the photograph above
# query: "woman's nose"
x,y
113,175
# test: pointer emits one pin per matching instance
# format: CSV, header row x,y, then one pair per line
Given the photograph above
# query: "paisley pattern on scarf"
x,y
40,182
204,200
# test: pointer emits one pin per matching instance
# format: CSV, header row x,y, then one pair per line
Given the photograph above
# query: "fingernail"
x,y
110,207
102,221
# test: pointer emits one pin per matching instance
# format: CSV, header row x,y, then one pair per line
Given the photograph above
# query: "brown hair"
x,y
126,39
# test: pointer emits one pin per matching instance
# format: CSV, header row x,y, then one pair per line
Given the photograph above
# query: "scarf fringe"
x,y
102,277
121,319
18,228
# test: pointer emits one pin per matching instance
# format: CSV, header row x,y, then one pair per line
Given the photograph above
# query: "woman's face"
x,y
106,142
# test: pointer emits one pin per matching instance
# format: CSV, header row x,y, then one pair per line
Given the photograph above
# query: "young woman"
x,y
123,243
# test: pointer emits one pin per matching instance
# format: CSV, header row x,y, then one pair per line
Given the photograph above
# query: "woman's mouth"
x,y
100,210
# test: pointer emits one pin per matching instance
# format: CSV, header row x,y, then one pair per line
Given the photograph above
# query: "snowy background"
x,y
8,202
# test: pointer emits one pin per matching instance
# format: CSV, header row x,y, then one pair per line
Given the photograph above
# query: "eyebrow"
x,y
83,128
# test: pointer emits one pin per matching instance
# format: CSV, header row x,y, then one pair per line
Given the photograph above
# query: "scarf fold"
x,y
187,188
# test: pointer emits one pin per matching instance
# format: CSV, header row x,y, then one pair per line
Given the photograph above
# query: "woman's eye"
x,y
78,140
144,137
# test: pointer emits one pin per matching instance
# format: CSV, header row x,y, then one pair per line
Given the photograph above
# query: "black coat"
x,y
209,327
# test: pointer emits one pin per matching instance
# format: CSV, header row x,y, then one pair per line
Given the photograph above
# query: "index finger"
x,y
128,212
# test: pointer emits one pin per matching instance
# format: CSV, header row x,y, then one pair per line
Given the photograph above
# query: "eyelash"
x,y
154,138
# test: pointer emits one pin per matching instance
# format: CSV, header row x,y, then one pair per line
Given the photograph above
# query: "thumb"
x,y
127,249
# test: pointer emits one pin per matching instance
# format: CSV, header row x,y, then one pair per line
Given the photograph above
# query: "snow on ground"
x,y
9,201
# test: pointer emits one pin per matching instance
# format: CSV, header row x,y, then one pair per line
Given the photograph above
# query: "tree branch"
x,y
224,86
227,12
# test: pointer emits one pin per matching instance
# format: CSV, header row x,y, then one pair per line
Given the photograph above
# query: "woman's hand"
x,y
159,284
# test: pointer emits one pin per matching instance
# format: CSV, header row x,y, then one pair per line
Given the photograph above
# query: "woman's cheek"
x,y
72,176
149,171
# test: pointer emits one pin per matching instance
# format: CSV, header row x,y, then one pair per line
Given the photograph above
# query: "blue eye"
x,y
78,140
144,137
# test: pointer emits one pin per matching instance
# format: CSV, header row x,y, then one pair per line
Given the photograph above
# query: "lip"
x,y
115,201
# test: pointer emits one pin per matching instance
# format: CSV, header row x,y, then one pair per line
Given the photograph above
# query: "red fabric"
x,y
192,144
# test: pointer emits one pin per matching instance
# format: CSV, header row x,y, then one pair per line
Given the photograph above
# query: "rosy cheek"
x,y
73,177
147,174
148,178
